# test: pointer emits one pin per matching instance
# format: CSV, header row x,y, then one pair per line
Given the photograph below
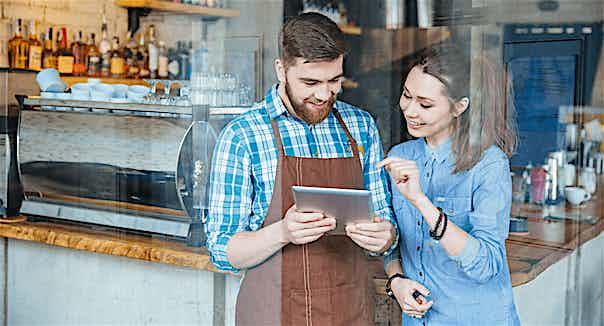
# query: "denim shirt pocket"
x,y
457,209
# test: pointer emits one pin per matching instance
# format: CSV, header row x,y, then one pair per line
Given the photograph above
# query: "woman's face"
x,y
426,107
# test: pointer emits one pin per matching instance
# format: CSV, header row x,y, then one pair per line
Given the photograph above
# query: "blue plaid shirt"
x,y
245,162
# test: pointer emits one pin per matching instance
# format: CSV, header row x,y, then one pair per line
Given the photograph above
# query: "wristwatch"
x,y
390,279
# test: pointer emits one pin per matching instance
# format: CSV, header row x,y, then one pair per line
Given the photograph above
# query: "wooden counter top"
x,y
111,242
548,241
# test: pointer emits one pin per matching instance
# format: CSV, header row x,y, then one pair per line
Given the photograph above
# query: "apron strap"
x,y
351,141
278,140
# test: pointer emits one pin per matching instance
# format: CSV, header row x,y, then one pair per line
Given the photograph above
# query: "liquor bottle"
x,y
65,59
34,61
17,48
183,61
117,59
55,48
162,70
78,48
153,53
172,64
143,58
105,49
130,56
93,57
48,59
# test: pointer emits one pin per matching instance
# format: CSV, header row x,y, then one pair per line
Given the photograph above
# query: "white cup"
x,y
570,173
587,180
576,195
101,92
80,91
120,90
49,80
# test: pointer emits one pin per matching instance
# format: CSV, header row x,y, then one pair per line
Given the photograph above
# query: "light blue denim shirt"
x,y
473,288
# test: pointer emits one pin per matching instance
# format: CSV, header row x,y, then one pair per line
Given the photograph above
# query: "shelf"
x,y
169,6
350,84
125,106
70,80
350,29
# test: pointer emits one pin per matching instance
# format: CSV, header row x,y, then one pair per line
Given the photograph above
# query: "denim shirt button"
x,y
418,248
419,222
421,274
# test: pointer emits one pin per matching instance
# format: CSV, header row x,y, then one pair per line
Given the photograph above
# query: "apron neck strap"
x,y
351,142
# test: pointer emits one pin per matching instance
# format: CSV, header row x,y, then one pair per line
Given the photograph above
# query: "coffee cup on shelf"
x,y
49,80
569,174
576,195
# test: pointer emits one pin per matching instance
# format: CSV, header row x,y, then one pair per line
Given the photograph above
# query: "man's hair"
x,y
312,37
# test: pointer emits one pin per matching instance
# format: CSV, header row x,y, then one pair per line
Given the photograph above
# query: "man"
x,y
299,135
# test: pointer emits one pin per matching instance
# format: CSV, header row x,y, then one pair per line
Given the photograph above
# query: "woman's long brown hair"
x,y
487,120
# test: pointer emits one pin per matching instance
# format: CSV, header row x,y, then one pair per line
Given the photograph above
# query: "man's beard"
x,y
306,114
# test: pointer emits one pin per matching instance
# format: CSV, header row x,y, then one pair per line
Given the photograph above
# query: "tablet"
x,y
345,205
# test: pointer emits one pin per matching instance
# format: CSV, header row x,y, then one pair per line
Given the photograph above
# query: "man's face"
x,y
311,87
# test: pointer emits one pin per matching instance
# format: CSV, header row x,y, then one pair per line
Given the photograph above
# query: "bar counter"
x,y
550,240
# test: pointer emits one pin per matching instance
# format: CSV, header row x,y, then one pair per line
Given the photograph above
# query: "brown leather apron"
x,y
326,282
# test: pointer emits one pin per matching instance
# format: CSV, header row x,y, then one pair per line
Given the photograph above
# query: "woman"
x,y
452,195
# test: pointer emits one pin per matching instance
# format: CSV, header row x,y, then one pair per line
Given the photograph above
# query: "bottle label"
x,y
21,56
65,64
105,64
173,68
94,63
49,61
35,58
153,58
117,66
163,66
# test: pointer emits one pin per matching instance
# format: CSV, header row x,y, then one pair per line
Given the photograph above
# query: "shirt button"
x,y
419,222
428,174
421,274
418,248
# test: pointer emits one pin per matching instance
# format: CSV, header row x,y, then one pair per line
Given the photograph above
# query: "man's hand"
x,y
302,227
376,237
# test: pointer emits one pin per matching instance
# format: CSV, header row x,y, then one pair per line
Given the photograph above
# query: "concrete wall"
x,y
568,293
50,285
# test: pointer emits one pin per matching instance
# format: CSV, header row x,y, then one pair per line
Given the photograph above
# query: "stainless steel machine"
x,y
135,166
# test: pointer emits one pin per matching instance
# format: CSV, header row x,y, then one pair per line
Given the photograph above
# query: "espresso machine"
x,y
142,167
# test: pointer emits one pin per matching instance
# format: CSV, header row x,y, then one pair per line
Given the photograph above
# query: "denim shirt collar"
x,y
442,153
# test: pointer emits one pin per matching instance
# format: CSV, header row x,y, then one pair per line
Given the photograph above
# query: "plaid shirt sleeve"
x,y
231,192
376,181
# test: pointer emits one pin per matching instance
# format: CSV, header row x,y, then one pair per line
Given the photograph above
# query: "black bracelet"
x,y
433,233
390,279
442,233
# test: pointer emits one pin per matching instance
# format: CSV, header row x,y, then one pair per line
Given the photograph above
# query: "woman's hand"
x,y
403,289
405,175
